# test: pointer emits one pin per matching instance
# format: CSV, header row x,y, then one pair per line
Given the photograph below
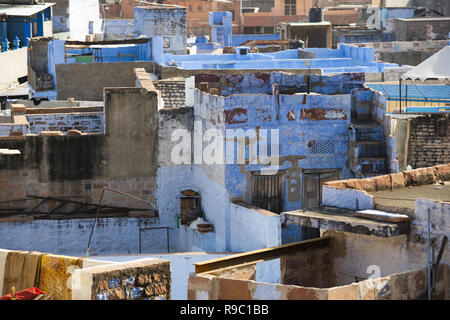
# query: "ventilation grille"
x,y
272,149
322,148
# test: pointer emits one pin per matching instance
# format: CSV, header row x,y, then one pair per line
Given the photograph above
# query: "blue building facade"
x,y
284,136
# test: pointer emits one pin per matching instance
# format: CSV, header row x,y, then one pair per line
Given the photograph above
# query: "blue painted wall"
x,y
143,52
293,116
221,24
344,59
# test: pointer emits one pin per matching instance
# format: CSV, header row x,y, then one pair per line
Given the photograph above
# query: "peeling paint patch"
x,y
262,76
291,115
315,114
235,116
207,78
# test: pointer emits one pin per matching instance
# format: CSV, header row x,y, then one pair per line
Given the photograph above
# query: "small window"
x,y
290,7
243,52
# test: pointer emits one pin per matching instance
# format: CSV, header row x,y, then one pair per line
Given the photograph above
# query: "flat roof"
x,y
406,197
340,219
23,10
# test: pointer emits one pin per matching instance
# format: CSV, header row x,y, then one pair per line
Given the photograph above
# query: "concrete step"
x,y
369,133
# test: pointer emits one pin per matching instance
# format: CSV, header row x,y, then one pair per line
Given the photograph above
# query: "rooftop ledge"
x,y
339,219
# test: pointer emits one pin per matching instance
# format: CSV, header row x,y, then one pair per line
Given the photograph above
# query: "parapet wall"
x,y
353,193
399,286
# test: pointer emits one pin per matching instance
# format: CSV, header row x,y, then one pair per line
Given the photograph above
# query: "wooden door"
x,y
267,192
312,186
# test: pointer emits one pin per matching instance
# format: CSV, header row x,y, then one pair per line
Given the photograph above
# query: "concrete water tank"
x,y
315,15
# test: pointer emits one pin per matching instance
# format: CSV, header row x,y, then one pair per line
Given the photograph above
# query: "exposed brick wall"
x,y
92,122
172,92
426,147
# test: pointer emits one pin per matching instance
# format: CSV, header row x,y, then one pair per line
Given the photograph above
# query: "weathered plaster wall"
x,y
169,23
71,237
311,268
353,261
131,144
263,225
92,78
399,286
81,166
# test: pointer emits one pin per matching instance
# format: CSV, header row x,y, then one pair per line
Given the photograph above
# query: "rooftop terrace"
x,y
345,59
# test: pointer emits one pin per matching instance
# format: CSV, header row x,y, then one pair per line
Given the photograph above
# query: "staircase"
x,y
371,149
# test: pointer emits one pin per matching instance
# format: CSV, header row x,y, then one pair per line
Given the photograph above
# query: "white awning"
x,y
436,69
23,10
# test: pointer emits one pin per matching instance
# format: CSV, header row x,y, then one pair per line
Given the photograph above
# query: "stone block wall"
x,y
172,92
146,279
429,142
